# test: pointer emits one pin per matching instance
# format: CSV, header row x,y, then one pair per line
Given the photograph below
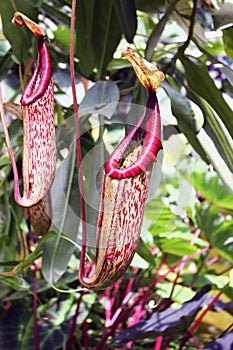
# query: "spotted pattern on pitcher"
x,y
39,142
39,166
122,207
40,216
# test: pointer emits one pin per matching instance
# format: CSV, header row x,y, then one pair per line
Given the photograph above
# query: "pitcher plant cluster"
x,y
125,177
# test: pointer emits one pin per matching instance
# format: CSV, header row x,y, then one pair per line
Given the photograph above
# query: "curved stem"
x,y
35,304
77,128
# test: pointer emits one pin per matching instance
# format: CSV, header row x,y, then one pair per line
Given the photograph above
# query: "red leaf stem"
x,y
158,342
77,130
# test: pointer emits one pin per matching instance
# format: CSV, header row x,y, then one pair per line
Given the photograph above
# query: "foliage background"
x,y
186,246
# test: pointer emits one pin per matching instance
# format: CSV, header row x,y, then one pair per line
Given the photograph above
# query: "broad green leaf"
x,y
188,121
180,294
227,40
221,239
106,35
175,245
127,17
162,217
182,109
65,204
102,98
200,81
212,190
15,282
217,232
19,38
85,15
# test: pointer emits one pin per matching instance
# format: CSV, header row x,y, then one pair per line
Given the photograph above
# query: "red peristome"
x,y
150,123
33,90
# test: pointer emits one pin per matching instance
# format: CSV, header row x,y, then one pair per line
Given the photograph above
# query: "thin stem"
x,y
74,322
158,343
77,129
79,160
35,305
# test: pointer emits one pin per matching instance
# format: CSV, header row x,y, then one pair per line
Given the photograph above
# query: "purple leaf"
x,y
168,321
223,343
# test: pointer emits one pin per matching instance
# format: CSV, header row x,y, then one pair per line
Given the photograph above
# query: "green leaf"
x,y
62,36
102,98
15,282
84,28
163,218
200,81
65,204
106,35
127,17
221,239
175,243
212,190
182,109
188,122
217,232
144,252
227,40
19,38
